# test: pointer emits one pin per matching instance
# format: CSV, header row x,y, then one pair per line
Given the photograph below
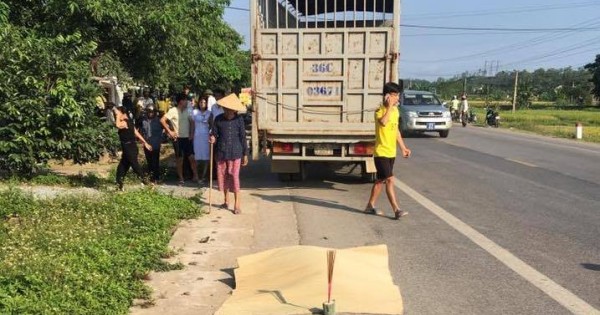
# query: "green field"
x,y
551,122
82,255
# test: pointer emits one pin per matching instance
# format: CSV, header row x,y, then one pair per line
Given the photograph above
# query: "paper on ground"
x,y
293,280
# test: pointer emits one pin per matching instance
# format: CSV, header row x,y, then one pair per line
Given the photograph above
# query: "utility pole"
x,y
465,86
515,93
485,72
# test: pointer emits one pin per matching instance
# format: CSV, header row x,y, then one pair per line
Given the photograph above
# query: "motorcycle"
x,y
468,117
492,117
472,116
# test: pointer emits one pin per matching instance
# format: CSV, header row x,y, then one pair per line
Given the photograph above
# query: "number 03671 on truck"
x,y
318,70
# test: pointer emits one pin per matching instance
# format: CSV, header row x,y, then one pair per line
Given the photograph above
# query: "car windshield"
x,y
420,99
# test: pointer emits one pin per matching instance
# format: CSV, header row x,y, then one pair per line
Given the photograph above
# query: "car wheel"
x,y
444,133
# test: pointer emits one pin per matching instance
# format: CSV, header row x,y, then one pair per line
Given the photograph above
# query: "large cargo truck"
x,y
318,70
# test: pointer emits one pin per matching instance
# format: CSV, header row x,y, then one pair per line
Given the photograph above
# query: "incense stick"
x,y
330,265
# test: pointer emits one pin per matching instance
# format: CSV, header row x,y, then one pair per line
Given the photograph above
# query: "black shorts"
x,y
183,147
385,167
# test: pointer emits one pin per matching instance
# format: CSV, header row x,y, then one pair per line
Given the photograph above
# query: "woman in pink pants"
x,y
229,134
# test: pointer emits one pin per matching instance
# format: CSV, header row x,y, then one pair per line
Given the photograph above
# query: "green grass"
x,y
557,123
75,255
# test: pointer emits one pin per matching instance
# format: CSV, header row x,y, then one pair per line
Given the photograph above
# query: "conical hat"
x,y
232,102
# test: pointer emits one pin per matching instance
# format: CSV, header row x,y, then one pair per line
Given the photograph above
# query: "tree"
x,y
51,49
594,69
47,101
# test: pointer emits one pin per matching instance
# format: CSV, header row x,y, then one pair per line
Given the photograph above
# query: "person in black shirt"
x,y
152,130
128,135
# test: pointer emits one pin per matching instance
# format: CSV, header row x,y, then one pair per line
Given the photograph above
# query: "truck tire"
x,y
284,177
444,133
300,176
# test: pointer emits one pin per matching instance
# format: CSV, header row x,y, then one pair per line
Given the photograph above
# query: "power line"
x,y
516,46
523,9
572,29
462,33
559,52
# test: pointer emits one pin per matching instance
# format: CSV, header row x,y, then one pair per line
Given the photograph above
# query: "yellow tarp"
x,y
293,280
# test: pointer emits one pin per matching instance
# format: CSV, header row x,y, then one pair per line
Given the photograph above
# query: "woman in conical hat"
x,y
229,134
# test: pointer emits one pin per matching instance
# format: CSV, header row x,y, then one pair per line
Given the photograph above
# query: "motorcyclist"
x,y
464,108
454,107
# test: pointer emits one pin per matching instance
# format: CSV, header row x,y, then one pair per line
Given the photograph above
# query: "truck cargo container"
x,y
318,70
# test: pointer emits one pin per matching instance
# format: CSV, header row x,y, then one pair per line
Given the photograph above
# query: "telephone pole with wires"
x,y
515,93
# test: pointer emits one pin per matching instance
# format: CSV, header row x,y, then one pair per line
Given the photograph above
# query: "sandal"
x,y
399,213
181,183
237,211
224,206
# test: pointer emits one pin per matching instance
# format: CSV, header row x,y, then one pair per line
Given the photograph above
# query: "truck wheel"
x,y
284,177
444,133
300,176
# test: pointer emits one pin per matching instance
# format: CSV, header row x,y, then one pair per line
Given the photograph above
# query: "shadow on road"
x,y
308,201
594,267
257,175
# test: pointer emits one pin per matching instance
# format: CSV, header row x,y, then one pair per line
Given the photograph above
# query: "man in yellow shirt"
x,y
387,137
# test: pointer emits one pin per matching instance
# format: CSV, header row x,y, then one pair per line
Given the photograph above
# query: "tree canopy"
x,y
52,48
552,85
594,69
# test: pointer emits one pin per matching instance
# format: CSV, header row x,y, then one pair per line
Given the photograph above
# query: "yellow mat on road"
x,y
293,280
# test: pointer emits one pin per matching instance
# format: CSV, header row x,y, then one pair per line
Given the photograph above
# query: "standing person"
x,y
216,109
454,108
387,137
182,135
163,104
464,110
152,131
201,117
128,102
127,136
229,134
146,100
210,99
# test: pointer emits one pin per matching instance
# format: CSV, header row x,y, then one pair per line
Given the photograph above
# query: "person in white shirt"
x,y
210,99
217,110
182,134
464,107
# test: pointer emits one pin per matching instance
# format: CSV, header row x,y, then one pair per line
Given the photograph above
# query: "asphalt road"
x,y
535,199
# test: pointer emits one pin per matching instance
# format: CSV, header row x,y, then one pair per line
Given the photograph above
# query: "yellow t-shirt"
x,y
386,136
163,106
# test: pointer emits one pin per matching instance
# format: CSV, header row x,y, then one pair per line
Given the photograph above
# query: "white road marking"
x,y
521,162
538,139
558,293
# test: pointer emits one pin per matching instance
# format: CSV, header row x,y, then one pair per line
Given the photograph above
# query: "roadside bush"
x,y
75,255
47,107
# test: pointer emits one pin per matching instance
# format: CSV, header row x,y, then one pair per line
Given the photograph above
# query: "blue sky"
x,y
433,53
